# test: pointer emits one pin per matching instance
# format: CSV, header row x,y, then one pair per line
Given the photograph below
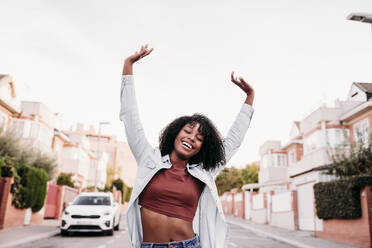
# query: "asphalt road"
x,y
239,237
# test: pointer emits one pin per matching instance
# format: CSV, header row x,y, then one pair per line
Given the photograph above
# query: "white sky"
x,y
297,54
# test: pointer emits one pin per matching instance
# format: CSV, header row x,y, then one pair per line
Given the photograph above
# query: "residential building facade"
x,y
312,143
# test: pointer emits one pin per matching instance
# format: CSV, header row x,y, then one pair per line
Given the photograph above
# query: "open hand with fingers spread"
x,y
245,87
128,63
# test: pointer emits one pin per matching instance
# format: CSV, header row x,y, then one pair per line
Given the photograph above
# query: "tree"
x,y
11,146
65,179
355,161
228,179
250,173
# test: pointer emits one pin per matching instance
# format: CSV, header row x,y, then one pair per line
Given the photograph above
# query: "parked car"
x,y
91,212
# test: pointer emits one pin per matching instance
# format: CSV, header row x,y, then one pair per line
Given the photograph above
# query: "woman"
x,y
175,202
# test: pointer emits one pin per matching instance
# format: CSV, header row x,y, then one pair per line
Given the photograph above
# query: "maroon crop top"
x,y
173,192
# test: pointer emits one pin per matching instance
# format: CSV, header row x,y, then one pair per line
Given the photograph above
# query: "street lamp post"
x,y
361,17
98,152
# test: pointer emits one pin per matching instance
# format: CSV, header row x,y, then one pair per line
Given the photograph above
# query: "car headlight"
x,y
108,212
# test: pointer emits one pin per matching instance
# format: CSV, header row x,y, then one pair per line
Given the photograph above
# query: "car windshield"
x,y
92,200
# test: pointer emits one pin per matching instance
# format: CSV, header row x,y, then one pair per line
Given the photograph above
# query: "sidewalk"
x,y
300,239
12,237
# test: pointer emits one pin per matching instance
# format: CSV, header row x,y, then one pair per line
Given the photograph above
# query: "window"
x,y
273,160
337,137
280,160
361,131
92,200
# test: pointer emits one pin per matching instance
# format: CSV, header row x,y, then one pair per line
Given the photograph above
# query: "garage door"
x,y
305,201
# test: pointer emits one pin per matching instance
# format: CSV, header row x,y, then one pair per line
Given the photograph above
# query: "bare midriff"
x,y
159,228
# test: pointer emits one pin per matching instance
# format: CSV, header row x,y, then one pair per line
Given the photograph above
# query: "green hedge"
x,y
125,189
65,179
127,193
340,198
30,188
119,184
7,166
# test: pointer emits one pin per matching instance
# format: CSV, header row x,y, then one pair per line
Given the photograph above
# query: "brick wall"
x,y
5,183
11,216
66,195
299,152
238,208
355,231
227,203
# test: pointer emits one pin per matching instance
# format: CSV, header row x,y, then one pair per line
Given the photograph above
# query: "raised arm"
x,y
236,133
129,110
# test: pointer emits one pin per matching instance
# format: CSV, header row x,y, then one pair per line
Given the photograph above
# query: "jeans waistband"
x,y
174,244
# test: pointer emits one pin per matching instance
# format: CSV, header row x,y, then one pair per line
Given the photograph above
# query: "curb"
x,y
270,235
31,239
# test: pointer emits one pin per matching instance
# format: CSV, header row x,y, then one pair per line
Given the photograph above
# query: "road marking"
x,y
102,246
233,244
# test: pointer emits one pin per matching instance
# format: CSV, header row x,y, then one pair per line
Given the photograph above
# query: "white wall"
x,y
258,201
282,202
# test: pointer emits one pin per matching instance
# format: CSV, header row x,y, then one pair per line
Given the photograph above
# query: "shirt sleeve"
x,y
236,133
129,115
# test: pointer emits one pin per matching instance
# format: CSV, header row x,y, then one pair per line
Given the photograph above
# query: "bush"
x,y
127,193
356,160
45,162
119,184
65,179
11,146
30,188
340,198
7,166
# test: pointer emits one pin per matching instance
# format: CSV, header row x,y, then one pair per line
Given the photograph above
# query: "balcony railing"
x,y
313,159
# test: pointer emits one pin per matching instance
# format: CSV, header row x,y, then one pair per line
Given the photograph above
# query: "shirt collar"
x,y
166,159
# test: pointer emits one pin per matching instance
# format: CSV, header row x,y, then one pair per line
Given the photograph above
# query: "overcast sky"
x,y
297,54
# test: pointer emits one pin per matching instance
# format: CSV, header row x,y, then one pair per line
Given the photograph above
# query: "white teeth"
x,y
187,145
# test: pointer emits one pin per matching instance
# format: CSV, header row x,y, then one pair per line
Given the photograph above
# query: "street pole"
x,y
361,17
98,153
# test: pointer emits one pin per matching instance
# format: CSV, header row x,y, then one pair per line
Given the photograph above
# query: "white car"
x,y
91,212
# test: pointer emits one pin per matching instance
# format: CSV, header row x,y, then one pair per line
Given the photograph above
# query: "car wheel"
x,y
64,232
117,226
111,231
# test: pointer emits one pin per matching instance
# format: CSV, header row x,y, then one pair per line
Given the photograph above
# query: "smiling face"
x,y
188,142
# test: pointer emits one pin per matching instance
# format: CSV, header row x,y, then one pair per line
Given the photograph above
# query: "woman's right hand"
x,y
139,54
128,63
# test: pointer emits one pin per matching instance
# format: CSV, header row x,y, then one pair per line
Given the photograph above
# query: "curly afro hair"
x,y
212,152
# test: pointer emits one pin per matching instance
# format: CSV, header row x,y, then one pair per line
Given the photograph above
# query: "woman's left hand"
x,y
245,87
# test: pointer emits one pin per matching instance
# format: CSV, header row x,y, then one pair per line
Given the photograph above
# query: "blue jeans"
x,y
190,243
